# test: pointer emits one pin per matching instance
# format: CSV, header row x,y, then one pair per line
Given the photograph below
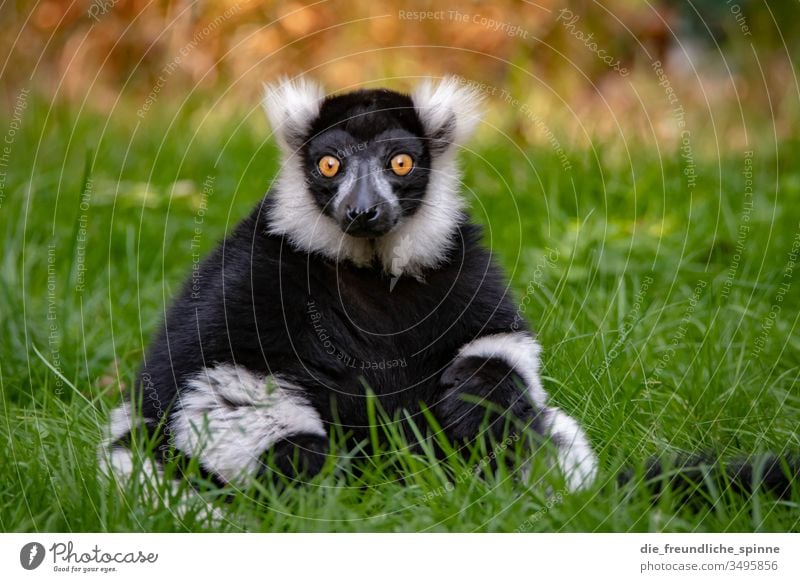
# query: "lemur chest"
x,y
364,326
371,312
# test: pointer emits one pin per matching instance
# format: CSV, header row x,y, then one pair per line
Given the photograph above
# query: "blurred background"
x,y
587,66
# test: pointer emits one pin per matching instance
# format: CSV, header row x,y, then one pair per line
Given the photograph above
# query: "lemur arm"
x,y
496,376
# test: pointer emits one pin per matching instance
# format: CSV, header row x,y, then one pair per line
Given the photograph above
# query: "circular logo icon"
x,y
31,555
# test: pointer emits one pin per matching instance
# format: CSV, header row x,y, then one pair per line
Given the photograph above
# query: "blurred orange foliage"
x,y
553,58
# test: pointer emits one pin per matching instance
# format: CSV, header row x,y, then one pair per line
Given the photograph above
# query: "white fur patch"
x,y
575,457
121,423
117,461
425,238
521,351
291,105
229,416
417,243
517,349
449,109
296,216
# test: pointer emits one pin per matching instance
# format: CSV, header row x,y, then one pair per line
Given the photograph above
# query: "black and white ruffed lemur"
x,y
359,270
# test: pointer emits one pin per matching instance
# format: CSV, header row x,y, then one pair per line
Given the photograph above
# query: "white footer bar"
x,y
398,557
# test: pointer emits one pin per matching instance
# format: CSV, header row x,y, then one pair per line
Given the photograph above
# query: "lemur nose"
x,y
362,215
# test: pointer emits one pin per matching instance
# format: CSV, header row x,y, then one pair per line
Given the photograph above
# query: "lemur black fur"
x,y
297,314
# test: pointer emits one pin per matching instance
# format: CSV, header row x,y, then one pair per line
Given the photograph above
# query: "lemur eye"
x,y
329,166
402,164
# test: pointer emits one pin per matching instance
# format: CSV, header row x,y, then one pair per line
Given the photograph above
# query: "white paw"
x,y
575,457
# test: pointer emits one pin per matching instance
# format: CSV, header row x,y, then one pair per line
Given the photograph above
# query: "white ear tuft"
x,y
292,105
449,110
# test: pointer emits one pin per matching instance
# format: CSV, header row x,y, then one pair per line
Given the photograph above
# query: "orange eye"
x,y
402,164
329,166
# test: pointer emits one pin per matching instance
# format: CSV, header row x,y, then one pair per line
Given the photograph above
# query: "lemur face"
x,y
367,161
370,176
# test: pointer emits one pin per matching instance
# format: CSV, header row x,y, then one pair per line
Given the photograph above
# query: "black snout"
x,y
362,218
367,222
363,212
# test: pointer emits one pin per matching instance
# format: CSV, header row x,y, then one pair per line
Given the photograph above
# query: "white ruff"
x,y
291,106
428,235
228,416
448,110
517,349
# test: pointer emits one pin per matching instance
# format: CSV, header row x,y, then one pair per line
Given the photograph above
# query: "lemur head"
x,y
371,173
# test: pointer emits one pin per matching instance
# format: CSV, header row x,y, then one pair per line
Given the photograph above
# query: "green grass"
x,y
693,359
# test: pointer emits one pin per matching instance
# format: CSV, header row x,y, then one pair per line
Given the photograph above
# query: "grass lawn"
x,y
668,315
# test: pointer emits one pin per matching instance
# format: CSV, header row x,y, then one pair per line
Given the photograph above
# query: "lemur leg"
x,y
233,421
501,371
